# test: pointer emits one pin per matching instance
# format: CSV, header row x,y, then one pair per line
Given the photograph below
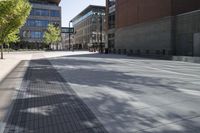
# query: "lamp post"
x,y
69,35
101,35
100,21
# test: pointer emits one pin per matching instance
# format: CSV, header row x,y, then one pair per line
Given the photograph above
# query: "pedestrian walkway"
x,y
46,104
8,90
136,95
10,61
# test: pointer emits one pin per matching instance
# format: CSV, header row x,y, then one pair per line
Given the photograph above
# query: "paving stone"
x,y
46,104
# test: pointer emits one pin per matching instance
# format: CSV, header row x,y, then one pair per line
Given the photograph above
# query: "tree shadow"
x,y
46,103
120,113
57,113
117,116
92,73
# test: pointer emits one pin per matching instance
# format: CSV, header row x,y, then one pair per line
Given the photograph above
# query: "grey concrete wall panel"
x,y
152,36
184,44
197,44
186,26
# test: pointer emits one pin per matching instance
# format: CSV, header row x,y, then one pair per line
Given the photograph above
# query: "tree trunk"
x,y
2,51
50,46
8,48
57,46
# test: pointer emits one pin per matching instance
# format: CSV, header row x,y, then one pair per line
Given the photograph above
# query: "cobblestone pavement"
x,y
46,104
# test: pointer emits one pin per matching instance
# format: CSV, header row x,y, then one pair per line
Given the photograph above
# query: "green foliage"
x,y
12,37
13,15
52,35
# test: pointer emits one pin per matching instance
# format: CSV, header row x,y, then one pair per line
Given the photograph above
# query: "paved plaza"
x,y
82,92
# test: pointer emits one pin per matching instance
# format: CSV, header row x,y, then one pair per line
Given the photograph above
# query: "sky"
x,y
71,8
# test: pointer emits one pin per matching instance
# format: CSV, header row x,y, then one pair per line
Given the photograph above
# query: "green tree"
x,y
52,36
12,38
13,15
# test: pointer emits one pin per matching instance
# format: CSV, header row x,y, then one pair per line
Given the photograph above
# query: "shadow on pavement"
x,y
46,104
118,98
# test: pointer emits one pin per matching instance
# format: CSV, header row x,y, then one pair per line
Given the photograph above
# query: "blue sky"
x,y
70,8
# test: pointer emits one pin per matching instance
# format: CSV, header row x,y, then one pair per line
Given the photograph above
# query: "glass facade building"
x,y
37,23
39,12
89,26
42,14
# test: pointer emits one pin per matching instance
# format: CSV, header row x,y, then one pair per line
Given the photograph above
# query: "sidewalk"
x,y
10,61
12,69
47,104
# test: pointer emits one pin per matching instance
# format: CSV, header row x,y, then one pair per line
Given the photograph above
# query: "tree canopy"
x,y
13,15
12,37
52,35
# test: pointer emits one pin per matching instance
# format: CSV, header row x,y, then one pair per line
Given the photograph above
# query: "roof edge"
x,y
57,2
90,6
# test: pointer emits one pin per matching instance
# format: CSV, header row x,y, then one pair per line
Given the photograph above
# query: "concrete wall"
x,y
152,36
157,35
196,47
187,25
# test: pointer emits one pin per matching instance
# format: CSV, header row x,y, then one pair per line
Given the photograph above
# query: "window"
x,y
111,21
55,13
82,17
39,12
111,3
36,35
37,23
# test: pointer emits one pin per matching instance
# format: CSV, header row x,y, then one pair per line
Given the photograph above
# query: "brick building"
x,y
154,27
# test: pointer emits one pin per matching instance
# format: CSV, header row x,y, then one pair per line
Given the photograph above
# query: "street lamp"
x,y
100,21
70,35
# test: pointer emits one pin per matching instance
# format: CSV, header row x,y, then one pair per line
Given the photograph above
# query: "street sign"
x,y
67,30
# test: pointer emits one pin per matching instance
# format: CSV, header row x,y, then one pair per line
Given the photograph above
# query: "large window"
x,y
33,34
37,23
36,35
45,12
39,12
55,13
111,2
111,21
82,17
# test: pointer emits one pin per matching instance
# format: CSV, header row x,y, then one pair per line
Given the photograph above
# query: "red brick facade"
x,y
130,12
